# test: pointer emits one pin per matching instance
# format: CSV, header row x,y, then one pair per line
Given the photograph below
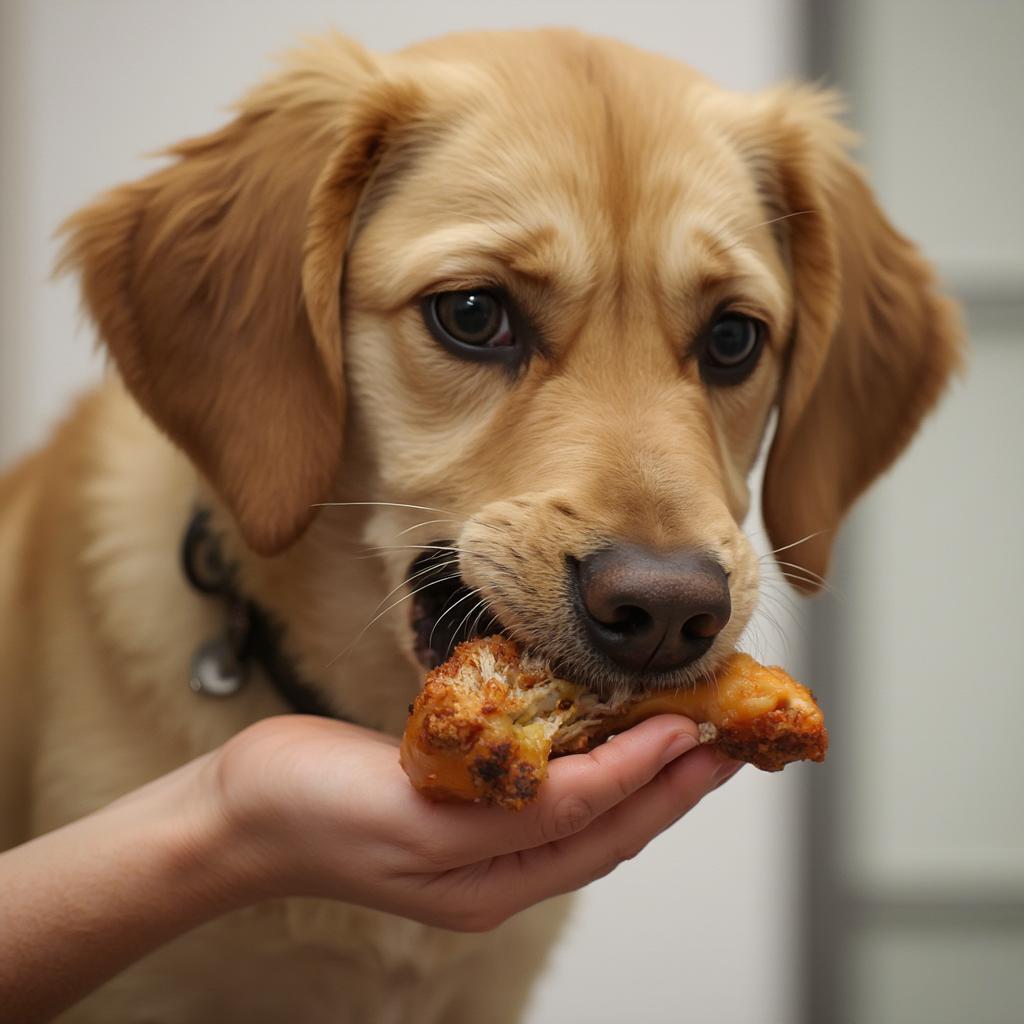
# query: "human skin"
x,y
300,806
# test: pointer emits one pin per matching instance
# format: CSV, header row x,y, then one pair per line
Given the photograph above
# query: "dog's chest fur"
x,y
101,625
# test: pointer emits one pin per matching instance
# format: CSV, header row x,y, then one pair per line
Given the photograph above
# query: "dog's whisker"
x,y
757,626
378,617
769,617
753,638
463,522
796,543
439,567
426,522
484,609
433,568
796,578
482,603
803,569
416,547
448,609
381,504
776,220
762,224
798,573
776,588
780,600
456,517
380,550
483,522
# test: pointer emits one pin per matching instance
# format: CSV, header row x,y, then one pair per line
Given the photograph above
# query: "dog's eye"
x,y
473,324
731,347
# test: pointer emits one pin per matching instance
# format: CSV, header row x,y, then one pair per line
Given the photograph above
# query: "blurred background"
x,y
886,887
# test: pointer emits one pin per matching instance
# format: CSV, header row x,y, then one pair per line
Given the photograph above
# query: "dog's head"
x,y
551,286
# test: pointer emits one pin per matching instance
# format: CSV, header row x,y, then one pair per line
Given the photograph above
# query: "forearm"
x,y
79,904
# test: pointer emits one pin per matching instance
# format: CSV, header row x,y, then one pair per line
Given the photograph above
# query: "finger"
x,y
583,787
519,880
578,790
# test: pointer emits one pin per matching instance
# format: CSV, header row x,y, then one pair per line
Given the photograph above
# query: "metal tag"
x,y
216,669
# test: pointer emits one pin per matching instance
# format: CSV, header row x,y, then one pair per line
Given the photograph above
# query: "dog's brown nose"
x,y
652,612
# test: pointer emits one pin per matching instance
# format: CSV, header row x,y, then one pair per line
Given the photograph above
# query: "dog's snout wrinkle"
x,y
650,611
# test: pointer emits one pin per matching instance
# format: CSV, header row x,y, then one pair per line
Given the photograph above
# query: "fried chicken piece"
x,y
488,719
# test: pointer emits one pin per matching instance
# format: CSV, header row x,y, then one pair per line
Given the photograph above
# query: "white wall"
x,y
702,926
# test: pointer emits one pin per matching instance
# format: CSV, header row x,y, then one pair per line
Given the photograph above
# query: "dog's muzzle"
x,y
638,616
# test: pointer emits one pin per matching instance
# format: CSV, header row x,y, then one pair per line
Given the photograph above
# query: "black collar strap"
x,y
219,666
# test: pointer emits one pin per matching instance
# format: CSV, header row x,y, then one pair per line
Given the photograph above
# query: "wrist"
x,y
222,844
142,870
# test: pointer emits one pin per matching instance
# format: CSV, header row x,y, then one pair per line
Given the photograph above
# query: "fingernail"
x,y
680,744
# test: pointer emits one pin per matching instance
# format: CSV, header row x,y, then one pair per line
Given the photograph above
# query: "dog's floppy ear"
x,y
873,342
217,293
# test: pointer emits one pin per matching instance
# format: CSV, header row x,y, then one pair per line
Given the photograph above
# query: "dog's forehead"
x,y
589,168
594,129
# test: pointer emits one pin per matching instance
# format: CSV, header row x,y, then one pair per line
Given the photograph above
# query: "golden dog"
x,y
549,285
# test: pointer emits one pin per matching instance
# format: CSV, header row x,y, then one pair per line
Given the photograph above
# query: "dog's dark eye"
x,y
472,318
731,348
473,324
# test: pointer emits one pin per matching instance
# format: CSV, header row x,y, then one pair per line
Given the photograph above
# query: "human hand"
x,y
321,808
297,806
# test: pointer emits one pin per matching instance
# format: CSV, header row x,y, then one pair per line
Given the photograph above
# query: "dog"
x,y
513,314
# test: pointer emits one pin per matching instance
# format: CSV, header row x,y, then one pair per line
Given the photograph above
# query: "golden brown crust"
x,y
461,741
759,714
774,740
487,721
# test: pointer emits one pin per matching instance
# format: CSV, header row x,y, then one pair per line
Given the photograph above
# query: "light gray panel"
x,y
939,87
936,624
944,977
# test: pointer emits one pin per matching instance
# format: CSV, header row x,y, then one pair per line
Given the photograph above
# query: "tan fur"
x,y
621,198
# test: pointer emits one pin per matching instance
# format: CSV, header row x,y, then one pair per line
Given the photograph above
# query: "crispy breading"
x,y
488,720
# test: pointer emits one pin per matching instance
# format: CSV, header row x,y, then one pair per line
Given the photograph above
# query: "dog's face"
x,y
573,281
566,324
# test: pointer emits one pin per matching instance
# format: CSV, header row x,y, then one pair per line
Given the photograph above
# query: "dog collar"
x,y
220,665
